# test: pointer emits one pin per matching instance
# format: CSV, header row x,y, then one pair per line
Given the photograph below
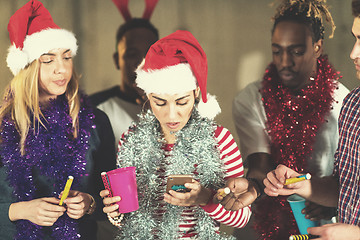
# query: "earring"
x,y
317,48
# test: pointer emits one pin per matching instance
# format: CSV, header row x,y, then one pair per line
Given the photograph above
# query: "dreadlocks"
x,y
309,12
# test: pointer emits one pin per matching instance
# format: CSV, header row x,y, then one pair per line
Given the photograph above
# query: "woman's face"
x,y
172,111
55,73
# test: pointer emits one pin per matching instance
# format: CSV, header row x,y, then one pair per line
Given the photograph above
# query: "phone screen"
x,y
176,183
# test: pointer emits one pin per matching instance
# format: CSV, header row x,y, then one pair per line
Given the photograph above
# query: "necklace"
x,y
193,152
292,124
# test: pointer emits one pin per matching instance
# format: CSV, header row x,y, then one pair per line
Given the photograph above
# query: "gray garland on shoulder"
x,y
195,150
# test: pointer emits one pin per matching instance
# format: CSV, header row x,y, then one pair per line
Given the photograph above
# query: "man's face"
x,y
294,54
132,49
355,53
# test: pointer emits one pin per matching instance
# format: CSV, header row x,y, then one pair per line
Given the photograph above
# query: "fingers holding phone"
x,y
183,190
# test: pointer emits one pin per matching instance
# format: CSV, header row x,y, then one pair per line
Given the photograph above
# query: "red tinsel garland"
x,y
292,124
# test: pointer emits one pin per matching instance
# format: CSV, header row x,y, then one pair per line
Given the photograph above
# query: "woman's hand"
x,y
111,208
198,195
41,211
243,193
77,204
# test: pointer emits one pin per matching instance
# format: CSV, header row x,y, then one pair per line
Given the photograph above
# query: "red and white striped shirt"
x,y
233,167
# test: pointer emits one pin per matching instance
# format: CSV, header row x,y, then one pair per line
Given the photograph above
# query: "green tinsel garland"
x,y
196,145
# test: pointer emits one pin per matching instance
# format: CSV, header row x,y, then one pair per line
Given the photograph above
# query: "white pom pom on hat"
x,y
177,64
209,109
16,59
32,33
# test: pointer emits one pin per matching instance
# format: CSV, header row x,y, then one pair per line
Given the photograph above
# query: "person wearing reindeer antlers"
x,y
177,135
48,131
123,102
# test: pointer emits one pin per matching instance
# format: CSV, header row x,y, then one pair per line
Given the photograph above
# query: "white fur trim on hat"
x,y
37,44
169,80
16,59
209,109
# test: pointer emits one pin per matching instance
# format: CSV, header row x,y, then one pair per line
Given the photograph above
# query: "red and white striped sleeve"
x,y
121,141
232,162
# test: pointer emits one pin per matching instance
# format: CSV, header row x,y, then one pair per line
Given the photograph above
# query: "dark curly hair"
x,y
308,12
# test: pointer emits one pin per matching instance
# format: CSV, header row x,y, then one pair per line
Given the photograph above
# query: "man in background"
x,y
123,102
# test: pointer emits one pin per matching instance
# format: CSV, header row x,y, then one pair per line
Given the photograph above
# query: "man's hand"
x,y
243,193
336,231
316,212
275,180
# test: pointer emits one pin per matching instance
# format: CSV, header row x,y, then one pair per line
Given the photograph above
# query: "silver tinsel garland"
x,y
195,151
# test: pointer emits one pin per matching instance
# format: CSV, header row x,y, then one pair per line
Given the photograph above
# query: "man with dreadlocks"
x,y
342,188
289,117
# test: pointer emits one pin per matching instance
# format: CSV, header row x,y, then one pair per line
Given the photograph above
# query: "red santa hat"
x,y
177,64
32,33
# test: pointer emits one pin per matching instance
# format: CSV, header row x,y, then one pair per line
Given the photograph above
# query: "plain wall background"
x,y
235,35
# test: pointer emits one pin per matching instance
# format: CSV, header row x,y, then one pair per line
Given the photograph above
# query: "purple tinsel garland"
x,y
55,154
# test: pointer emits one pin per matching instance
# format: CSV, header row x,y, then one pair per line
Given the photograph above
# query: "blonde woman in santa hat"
x,y
177,136
47,133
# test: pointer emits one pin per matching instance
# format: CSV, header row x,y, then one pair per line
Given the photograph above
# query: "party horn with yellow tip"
x,y
297,179
302,237
66,190
224,192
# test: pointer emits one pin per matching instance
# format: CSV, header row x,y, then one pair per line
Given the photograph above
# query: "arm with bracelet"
x,y
116,221
250,122
246,190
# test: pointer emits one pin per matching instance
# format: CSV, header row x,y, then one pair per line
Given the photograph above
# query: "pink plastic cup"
x,y
123,184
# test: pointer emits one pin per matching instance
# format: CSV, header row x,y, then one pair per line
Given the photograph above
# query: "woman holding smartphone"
x,y
47,134
177,135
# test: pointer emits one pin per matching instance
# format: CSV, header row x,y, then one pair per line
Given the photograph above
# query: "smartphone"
x,y
176,182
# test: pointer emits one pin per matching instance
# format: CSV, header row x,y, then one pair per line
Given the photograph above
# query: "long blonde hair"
x,y
21,100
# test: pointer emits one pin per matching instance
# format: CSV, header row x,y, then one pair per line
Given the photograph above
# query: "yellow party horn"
x,y
302,237
297,179
224,192
66,190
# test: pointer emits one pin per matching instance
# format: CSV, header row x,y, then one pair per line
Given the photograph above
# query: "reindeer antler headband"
x,y
123,6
